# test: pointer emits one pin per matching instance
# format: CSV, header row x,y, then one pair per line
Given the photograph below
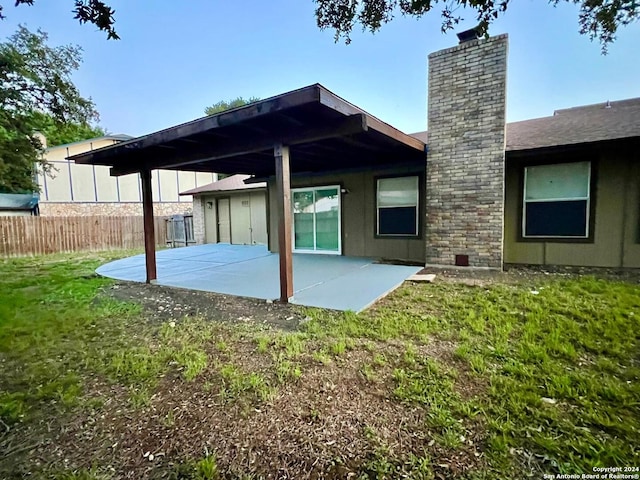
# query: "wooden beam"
x,y
344,126
333,101
234,116
149,232
281,154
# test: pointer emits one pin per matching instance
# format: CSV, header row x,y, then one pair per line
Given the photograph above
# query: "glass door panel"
x,y
327,207
303,220
316,219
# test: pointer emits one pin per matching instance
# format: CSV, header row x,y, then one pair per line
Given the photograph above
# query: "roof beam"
x,y
335,102
230,117
350,125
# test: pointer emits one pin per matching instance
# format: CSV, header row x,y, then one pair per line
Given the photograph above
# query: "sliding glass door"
x,y
316,220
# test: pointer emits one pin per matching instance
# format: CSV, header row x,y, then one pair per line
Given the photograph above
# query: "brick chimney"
x,y
465,160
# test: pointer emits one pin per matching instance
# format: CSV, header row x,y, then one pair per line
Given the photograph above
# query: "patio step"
x,y
422,277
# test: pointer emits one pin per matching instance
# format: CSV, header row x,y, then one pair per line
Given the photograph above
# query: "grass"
x,y
575,343
533,383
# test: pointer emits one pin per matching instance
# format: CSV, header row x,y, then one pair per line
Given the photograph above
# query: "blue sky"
x,y
177,57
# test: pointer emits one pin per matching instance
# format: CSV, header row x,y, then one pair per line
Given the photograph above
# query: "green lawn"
x,y
514,378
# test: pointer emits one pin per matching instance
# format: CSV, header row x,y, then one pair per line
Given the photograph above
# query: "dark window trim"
x,y
420,206
592,199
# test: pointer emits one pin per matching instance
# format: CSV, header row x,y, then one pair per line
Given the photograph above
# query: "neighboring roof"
x,y
18,201
121,137
324,132
570,126
229,184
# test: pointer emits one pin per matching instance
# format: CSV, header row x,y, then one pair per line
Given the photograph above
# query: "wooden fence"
x,y
21,236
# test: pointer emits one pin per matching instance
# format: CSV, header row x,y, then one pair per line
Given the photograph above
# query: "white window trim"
x,y
568,199
293,225
417,206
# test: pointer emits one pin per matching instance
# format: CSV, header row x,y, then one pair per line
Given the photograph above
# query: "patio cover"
x,y
303,131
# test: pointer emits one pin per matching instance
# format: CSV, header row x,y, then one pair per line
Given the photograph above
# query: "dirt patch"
x,y
166,303
521,273
328,424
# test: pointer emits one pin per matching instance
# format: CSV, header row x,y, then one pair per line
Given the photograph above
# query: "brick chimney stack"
x,y
466,156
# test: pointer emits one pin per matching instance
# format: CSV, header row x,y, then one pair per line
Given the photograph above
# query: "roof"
x,y
18,201
121,137
571,126
324,132
229,184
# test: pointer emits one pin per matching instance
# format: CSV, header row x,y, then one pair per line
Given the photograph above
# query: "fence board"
x,y
21,236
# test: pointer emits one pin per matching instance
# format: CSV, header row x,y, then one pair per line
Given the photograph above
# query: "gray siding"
x,y
616,235
358,215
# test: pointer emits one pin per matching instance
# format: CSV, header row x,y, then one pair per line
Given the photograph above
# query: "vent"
x,y
468,35
462,260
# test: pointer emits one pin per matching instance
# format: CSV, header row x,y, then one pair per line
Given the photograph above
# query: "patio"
x,y
326,281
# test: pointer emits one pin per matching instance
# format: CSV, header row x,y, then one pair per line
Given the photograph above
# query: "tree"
x,y
95,12
36,92
599,19
58,133
223,105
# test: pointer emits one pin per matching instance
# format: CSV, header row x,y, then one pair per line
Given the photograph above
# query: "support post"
x,y
281,154
149,233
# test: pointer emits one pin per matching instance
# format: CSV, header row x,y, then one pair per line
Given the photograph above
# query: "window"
x,y
557,200
397,206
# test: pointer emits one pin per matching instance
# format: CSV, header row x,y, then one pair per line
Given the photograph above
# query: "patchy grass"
x,y
506,380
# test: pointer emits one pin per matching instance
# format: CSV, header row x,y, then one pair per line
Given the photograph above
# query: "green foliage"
x,y
237,384
95,12
36,92
223,105
206,468
599,19
58,133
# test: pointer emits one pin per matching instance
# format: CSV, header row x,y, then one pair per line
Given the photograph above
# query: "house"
x,y
90,190
18,204
230,211
559,190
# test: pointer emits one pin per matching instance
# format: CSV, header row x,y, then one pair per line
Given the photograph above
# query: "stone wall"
x,y
111,209
465,160
198,219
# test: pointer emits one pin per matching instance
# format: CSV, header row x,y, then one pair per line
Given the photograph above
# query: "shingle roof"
x,y
229,184
571,126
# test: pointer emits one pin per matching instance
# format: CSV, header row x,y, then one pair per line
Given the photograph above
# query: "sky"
x,y
177,57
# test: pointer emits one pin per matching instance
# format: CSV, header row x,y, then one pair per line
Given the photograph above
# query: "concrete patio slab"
x,y
327,281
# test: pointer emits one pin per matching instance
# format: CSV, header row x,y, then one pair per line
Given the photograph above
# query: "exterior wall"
x,y
210,226
616,234
205,222
73,188
465,162
358,215
15,213
110,209
198,219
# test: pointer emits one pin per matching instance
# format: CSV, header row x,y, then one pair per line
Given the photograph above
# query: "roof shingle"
x,y
571,126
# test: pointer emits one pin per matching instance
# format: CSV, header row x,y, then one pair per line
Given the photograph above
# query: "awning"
x,y
324,132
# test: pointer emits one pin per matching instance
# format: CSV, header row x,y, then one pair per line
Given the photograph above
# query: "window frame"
x,y
590,206
418,234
